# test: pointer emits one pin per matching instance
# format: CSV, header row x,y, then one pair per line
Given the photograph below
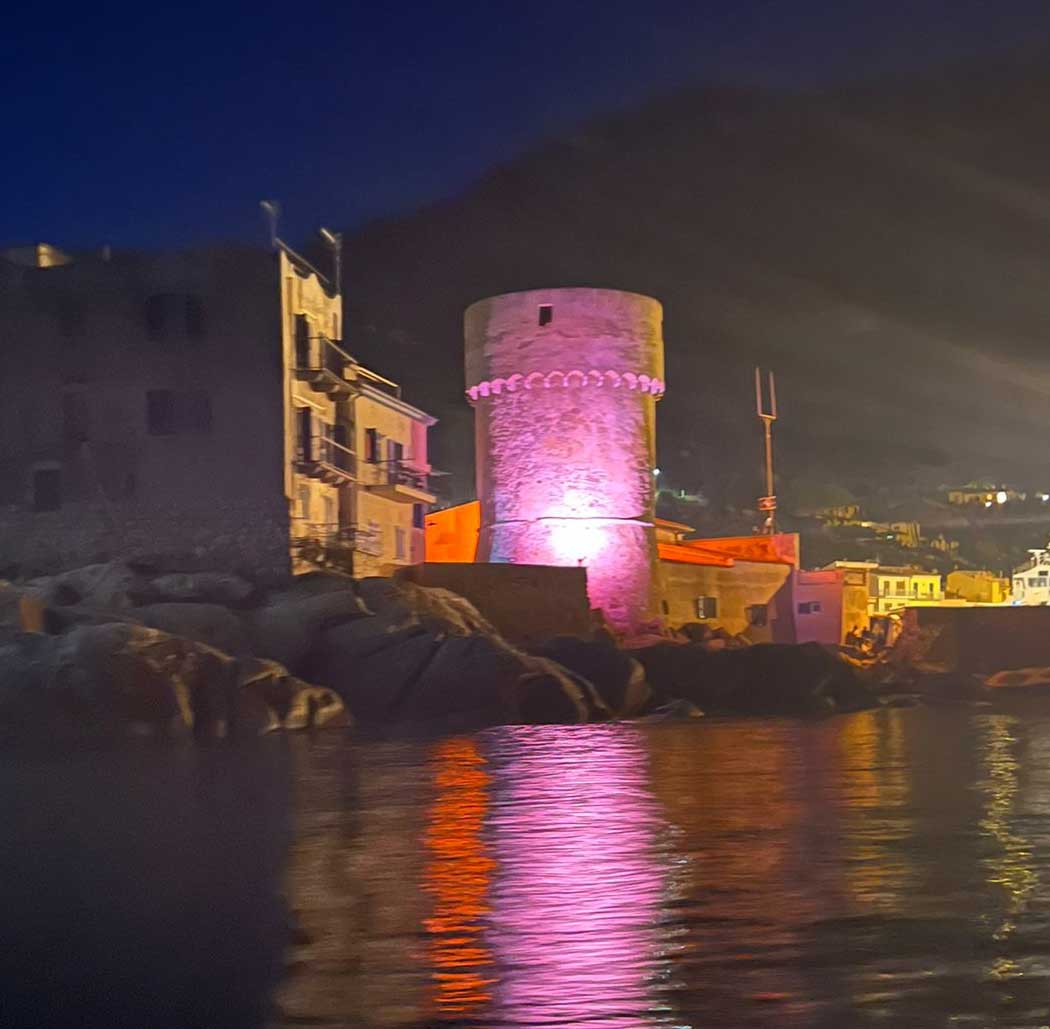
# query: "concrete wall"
x,y
984,639
564,417
527,604
80,331
738,588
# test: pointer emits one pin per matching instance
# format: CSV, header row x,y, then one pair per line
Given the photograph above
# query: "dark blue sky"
x,y
165,124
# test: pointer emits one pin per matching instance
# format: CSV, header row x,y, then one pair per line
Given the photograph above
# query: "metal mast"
x,y
767,415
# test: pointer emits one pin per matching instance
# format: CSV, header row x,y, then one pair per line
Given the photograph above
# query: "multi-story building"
x,y
1031,582
892,589
198,404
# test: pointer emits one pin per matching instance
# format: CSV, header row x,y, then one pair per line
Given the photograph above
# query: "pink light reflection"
x,y
575,904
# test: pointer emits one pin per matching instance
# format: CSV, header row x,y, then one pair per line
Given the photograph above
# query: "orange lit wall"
x,y
452,534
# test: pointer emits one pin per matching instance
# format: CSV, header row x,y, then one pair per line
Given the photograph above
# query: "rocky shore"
x,y
147,647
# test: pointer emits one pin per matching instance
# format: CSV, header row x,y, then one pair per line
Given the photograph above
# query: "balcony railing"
x,y
321,364
323,458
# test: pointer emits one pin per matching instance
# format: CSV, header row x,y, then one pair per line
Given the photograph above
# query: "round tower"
x,y
564,384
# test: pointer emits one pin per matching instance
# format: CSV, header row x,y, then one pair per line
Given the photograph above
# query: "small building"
x,y
893,589
199,404
977,586
1031,582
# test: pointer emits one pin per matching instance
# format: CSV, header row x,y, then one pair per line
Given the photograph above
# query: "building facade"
x,y
197,405
1031,582
977,586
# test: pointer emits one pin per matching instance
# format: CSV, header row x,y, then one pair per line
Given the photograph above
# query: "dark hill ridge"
x,y
886,249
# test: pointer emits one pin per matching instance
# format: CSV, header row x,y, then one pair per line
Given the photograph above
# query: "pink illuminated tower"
x,y
564,384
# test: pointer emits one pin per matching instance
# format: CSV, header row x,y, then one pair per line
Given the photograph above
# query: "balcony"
x,y
321,365
322,458
396,480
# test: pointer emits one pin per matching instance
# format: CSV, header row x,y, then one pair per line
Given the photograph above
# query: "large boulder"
x,y
764,679
290,629
201,587
618,678
400,603
210,624
271,699
111,585
452,681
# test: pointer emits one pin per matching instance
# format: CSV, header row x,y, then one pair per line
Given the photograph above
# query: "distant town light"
x,y
656,473
987,503
1000,497
1044,497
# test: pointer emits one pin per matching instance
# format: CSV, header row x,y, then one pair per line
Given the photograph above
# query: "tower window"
x,y
546,314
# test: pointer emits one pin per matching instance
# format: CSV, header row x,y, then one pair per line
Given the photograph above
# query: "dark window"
x,y
706,607
305,422
160,412
156,315
394,452
47,489
174,315
665,607
74,418
194,317
809,607
372,445
546,314
195,411
758,615
302,341
419,517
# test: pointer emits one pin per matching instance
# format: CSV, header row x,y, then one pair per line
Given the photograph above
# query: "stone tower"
x,y
564,384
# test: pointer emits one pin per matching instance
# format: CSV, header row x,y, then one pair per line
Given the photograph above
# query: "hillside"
x,y
886,249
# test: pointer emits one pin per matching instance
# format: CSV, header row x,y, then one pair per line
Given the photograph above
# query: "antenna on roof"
x,y
272,210
767,415
335,241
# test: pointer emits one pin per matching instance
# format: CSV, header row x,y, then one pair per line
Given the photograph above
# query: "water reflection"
x,y
577,893
457,876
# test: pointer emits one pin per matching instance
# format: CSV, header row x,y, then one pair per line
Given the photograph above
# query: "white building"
x,y
1031,581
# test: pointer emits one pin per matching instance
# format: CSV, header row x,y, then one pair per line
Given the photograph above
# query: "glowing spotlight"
x,y
1000,497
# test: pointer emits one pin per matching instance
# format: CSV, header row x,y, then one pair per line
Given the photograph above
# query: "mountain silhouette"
x,y
885,248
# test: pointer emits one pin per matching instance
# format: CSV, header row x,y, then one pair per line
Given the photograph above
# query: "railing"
x,y
326,451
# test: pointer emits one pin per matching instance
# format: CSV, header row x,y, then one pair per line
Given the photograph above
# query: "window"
x,y
160,412
335,326
399,543
372,445
419,518
706,607
304,427
168,413
304,503
546,314
47,489
902,588
809,607
74,417
302,341
758,615
194,311
329,512
171,315
195,411
885,587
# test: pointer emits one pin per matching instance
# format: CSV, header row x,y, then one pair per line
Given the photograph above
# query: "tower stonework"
x,y
564,384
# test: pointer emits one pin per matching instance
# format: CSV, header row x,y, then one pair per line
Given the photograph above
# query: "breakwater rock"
x,y
141,647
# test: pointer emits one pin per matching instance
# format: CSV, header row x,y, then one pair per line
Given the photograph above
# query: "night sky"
x,y
156,125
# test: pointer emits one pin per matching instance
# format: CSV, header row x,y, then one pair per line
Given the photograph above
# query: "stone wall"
x,y
526,603
249,537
